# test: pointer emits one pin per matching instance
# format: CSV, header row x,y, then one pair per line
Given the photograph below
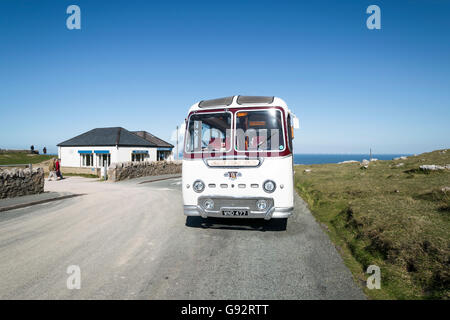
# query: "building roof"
x,y
114,136
153,139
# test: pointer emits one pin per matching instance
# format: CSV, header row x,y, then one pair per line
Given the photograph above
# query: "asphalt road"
x,y
131,241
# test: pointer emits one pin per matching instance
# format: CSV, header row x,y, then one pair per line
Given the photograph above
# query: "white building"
x,y
101,146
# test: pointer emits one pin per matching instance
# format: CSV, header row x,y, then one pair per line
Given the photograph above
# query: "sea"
x,y
311,158
335,158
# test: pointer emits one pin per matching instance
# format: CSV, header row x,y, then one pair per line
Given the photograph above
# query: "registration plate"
x,y
234,213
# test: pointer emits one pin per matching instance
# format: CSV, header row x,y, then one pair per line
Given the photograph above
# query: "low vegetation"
x,y
391,214
84,175
23,158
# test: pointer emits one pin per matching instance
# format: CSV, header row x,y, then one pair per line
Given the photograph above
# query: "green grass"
x,y
23,158
84,175
395,217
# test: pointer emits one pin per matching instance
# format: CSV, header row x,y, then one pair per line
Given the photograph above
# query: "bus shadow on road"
x,y
237,224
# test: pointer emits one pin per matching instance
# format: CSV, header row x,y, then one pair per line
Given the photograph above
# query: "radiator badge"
x,y
232,175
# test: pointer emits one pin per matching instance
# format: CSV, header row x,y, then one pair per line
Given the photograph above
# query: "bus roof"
x,y
239,102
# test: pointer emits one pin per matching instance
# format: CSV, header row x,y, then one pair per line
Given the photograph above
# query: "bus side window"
x,y
290,131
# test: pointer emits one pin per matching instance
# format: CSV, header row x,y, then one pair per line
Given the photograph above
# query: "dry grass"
x,y
394,217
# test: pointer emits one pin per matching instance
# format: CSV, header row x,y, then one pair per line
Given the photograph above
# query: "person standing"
x,y
58,169
52,170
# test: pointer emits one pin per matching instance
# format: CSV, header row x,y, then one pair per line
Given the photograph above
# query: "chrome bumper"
x,y
273,212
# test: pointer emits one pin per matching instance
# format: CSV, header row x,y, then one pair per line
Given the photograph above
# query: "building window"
x,y
87,160
103,160
138,157
163,155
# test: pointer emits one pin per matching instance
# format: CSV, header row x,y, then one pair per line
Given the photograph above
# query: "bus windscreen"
x,y
208,132
259,130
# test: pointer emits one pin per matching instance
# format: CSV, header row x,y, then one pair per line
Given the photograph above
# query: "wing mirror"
x,y
295,122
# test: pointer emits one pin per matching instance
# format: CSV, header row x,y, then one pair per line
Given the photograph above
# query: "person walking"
x,y
58,169
52,170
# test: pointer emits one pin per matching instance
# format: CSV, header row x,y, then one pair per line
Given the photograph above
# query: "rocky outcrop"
x,y
21,182
129,170
348,161
434,167
365,164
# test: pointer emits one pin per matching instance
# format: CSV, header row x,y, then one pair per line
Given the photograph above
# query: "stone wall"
x,y
130,170
20,182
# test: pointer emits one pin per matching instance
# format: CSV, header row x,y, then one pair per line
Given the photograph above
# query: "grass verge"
x,y
392,215
84,175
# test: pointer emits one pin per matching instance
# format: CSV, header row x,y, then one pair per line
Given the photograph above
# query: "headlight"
x,y
261,204
198,186
269,186
208,204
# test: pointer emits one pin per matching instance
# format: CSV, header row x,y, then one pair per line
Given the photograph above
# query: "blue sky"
x,y
141,64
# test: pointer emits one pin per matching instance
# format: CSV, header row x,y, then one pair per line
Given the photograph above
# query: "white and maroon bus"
x,y
238,158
